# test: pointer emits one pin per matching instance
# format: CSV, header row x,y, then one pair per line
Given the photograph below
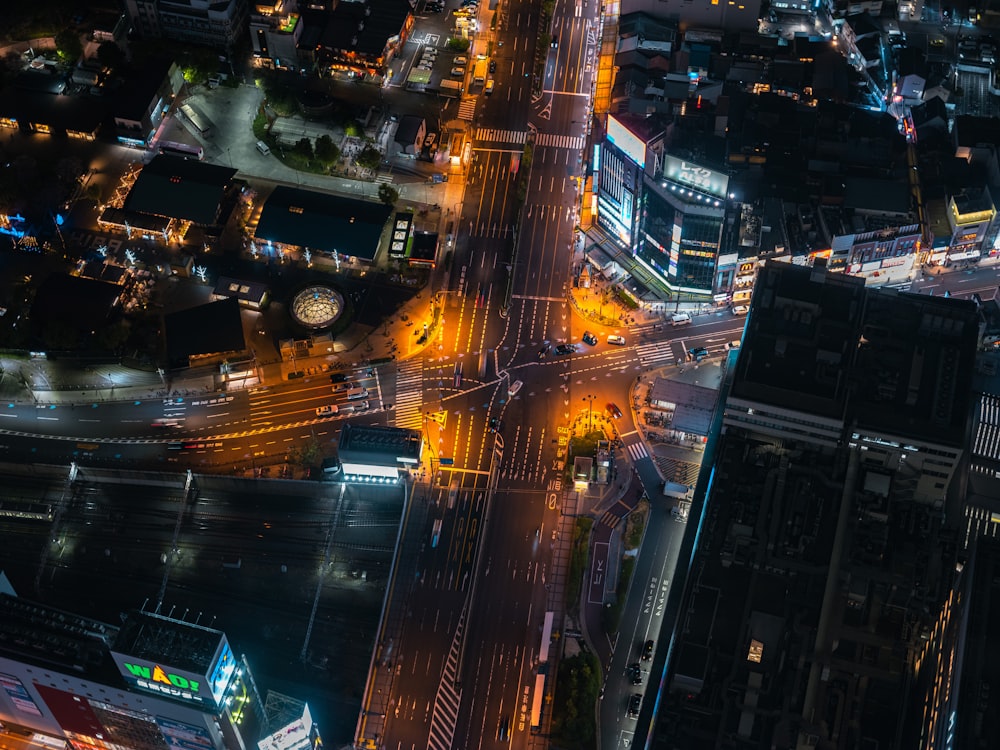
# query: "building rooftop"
x,y
305,218
180,189
382,446
212,328
182,645
799,338
53,638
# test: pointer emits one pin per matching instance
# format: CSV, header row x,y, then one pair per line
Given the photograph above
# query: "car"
x,y
339,377
461,61
614,411
647,650
616,340
634,704
555,42
327,411
635,674
167,423
343,386
565,349
489,87
496,425
698,352
514,388
680,319
740,309
457,72
503,729
732,345
589,338
493,66
424,67
363,406
543,351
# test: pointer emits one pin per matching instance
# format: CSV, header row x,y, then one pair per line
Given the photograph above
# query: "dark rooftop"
x,y
206,329
50,637
361,27
85,304
799,339
378,445
330,223
183,645
180,188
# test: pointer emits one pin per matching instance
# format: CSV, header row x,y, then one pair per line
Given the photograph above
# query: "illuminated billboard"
x,y
627,142
695,176
18,694
296,735
222,673
164,680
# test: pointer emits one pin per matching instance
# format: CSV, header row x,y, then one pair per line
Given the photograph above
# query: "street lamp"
x,y
590,412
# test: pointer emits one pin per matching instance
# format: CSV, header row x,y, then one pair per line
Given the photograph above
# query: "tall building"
x,y
681,223
821,596
212,23
151,683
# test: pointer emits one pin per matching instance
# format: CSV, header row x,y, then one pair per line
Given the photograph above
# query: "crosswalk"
x,y
449,698
987,440
467,109
493,135
610,519
656,351
410,395
675,470
384,178
552,140
637,451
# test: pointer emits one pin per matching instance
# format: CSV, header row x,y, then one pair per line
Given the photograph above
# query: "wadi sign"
x,y
164,680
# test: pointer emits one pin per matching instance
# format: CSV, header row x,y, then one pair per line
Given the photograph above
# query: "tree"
x,y
110,55
68,45
369,158
457,44
388,194
306,454
114,336
326,150
304,148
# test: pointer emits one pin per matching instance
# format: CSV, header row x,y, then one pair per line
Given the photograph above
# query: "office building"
x,y
211,23
821,598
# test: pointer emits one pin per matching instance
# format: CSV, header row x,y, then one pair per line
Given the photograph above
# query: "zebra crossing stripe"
x,y
409,395
501,136
553,140
637,451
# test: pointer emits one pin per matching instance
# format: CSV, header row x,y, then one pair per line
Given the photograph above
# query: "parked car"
x,y
461,61
634,704
493,66
457,72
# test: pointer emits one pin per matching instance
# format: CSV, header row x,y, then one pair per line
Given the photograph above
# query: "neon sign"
x,y
159,680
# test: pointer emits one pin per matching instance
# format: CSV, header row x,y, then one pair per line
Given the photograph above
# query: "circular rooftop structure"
x,y
317,306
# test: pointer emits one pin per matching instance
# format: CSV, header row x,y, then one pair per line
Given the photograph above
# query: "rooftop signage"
x,y
695,176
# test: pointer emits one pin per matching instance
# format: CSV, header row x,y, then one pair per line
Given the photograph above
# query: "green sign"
x,y
157,674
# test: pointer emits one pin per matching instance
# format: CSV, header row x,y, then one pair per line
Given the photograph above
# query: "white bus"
x,y
543,651
201,123
536,703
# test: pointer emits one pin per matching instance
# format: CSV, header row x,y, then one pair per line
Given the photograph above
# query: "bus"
x,y
536,702
184,151
201,123
543,652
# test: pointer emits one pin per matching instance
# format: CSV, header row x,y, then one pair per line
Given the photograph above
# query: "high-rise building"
x,y
151,683
212,23
820,605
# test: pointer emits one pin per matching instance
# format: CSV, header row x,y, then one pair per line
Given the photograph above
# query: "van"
x,y
489,87
680,319
616,340
262,147
356,394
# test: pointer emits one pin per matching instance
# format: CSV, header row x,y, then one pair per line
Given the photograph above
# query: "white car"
x,y
514,388
326,411
616,340
740,309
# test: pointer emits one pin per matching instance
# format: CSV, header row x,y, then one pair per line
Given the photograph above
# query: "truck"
x,y
680,497
479,75
450,88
